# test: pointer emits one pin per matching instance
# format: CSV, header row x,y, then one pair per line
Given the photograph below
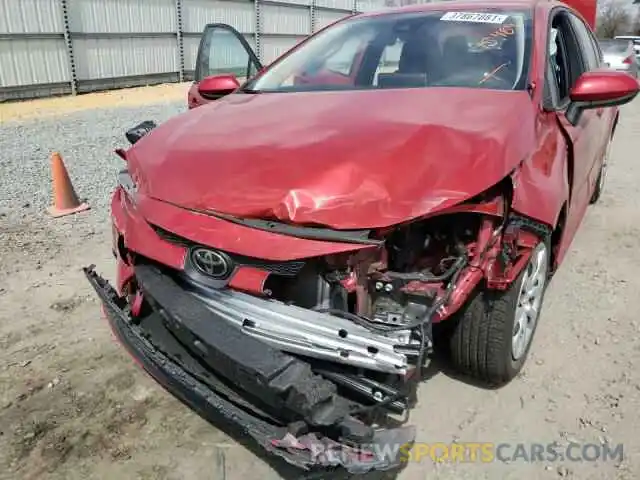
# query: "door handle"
x,y
600,111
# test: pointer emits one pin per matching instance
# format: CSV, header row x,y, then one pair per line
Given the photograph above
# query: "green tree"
x,y
613,19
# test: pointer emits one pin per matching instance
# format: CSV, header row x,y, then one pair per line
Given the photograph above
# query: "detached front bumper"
x,y
252,388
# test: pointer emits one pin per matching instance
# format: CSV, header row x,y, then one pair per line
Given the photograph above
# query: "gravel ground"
x,y
85,139
73,404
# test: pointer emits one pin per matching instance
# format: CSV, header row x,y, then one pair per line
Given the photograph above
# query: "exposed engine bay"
x,y
363,320
392,286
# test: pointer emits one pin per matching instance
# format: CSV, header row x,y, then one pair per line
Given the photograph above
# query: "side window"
x,y
598,50
565,61
558,68
223,50
590,55
226,55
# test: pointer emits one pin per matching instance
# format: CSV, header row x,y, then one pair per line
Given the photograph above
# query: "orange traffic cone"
x,y
65,200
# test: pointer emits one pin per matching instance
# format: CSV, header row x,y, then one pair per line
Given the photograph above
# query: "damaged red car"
x,y
286,252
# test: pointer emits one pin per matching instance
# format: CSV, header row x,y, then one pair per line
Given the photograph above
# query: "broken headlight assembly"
x,y
126,182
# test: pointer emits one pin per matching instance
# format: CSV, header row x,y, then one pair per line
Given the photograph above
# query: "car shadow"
x,y
440,364
344,475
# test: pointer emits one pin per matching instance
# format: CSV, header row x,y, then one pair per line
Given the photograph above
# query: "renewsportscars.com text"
x,y
479,452
482,452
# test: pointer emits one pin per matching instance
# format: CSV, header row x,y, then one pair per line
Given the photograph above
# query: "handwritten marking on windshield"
x,y
491,40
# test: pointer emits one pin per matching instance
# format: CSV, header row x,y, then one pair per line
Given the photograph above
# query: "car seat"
x,y
417,60
455,55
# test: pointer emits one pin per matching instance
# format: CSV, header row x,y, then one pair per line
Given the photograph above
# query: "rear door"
x,y
222,51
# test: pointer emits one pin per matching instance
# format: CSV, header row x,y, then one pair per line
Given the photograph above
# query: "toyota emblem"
x,y
210,262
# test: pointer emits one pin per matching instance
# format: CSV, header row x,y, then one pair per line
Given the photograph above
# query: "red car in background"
x,y
291,253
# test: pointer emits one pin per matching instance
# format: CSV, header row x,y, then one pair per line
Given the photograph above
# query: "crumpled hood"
x,y
357,159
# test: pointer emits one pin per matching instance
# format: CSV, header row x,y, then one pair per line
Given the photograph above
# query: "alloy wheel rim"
x,y
529,301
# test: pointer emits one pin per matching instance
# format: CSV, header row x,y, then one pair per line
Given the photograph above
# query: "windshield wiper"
x,y
358,236
250,91
310,233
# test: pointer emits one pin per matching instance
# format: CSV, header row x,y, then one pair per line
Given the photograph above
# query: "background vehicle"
x,y
633,38
619,54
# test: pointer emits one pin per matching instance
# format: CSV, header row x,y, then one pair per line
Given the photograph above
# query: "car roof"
x,y
455,5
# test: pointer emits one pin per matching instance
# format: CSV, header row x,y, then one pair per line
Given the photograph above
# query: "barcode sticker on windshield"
x,y
473,17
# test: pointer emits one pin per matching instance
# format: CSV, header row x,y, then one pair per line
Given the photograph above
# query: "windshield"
x,y
483,49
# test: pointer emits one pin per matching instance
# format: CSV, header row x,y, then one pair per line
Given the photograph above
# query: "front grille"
x,y
170,237
286,269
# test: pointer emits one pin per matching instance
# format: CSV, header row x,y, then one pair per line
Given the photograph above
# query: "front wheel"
x,y
494,330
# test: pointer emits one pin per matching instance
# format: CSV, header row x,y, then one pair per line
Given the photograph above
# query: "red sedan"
x,y
290,254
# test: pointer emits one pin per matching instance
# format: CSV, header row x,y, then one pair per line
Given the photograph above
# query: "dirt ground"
x,y
109,99
73,405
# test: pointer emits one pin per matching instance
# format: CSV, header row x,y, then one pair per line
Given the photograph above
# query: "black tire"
x,y
481,341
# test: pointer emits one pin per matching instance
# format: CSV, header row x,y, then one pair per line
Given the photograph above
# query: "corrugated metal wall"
x,y
50,47
32,46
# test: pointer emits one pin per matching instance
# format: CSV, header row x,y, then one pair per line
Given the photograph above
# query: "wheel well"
x,y
615,124
556,235
569,174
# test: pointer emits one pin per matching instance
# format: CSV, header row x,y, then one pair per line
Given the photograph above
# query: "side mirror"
x,y
217,86
600,88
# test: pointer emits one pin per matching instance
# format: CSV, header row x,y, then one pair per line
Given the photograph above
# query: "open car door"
x,y
225,60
